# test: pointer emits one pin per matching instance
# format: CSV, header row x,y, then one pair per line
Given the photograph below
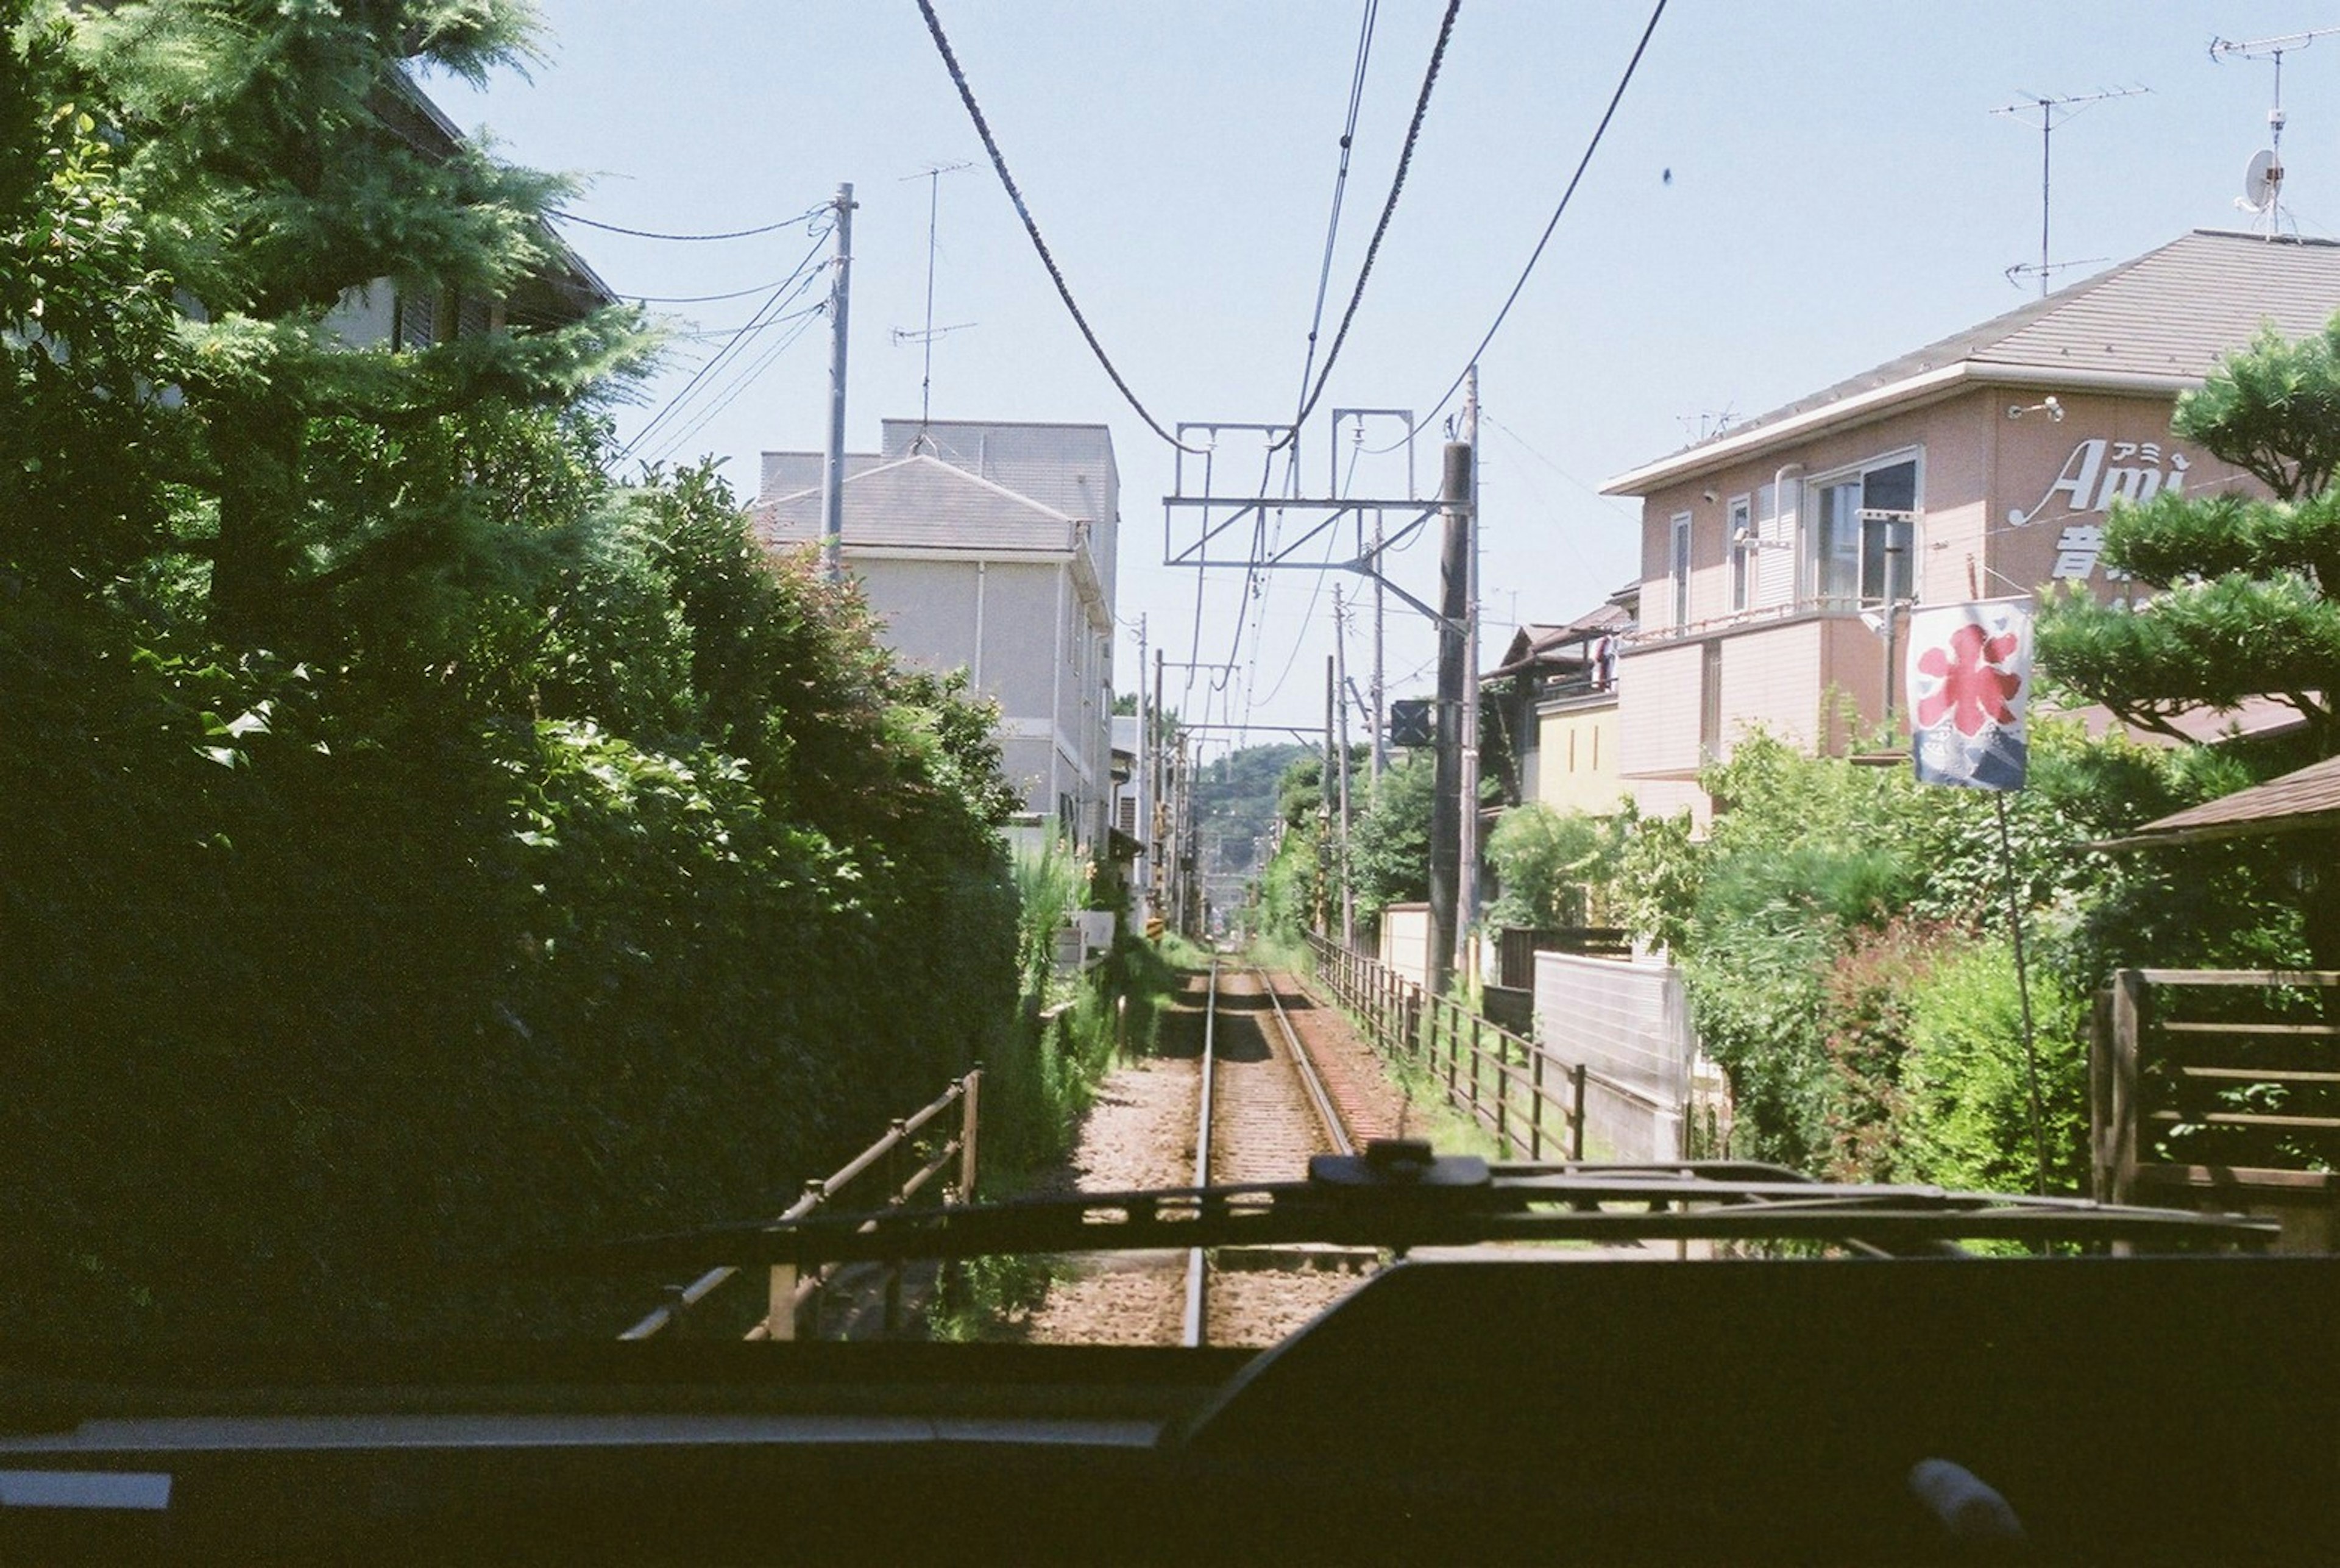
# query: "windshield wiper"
x,y
1397,1195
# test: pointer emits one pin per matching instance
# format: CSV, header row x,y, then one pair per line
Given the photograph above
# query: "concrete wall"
x,y
1629,1023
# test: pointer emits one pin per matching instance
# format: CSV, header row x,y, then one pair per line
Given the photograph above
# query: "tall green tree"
x,y
281,161
2245,592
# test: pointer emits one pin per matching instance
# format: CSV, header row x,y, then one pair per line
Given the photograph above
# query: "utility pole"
x,y
1143,781
1446,798
1466,922
1381,697
832,479
1341,683
1328,857
1156,747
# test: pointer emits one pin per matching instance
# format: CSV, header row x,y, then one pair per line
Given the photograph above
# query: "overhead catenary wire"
x,y
1031,228
1389,209
1340,183
1535,255
1255,584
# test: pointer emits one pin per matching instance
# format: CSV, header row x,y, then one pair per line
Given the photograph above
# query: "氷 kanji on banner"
x,y
1970,674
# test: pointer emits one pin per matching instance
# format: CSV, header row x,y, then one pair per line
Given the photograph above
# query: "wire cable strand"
x,y
781,298
1055,275
1340,183
567,217
706,299
1389,209
1583,164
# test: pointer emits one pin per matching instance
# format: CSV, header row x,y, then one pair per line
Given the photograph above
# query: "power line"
x,y
1008,181
1389,208
781,297
569,217
755,323
707,298
746,379
1537,254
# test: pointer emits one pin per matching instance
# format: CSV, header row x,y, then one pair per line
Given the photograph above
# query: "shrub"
x,y
1969,1121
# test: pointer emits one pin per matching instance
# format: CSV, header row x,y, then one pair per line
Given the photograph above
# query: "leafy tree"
x,y
1552,864
2245,592
269,149
419,845
1389,846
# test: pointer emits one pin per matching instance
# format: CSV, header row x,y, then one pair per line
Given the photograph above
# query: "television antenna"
x,y
933,175
2054,113
2263,180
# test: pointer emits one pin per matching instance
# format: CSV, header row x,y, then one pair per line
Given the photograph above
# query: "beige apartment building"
x,y
1778,559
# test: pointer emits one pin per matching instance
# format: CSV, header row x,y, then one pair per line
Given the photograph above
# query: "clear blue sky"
x,y
1840,193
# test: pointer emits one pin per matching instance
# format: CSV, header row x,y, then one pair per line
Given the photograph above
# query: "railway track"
x,y
1263,1111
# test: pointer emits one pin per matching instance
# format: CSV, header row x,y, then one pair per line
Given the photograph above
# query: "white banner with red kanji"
x,y
1969,676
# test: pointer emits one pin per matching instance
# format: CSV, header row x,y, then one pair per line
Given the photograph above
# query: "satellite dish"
x,y
2261,180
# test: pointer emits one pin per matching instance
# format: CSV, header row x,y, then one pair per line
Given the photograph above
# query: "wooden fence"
x,y
1529,1099
887,1174
2220,1087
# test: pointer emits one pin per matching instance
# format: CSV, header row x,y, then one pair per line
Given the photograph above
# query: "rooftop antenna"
x,y
933,175
1708,424
2053,112
2263,180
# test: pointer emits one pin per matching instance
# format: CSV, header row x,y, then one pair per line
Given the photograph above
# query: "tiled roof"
x,y
921,502
2164,319
2309,798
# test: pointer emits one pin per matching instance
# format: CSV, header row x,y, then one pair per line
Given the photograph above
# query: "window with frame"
x,y
1858,556
1677,567
1740,529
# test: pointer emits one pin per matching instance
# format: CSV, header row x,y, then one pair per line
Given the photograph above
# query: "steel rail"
x,y
1304,1066
1193,1324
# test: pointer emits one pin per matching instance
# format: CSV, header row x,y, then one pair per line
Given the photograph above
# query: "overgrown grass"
x,y
1069,1030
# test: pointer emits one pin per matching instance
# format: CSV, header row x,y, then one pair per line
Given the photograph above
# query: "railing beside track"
x,y
906,1140
1531,1099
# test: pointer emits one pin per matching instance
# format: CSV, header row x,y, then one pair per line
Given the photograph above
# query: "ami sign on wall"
x,y
2058,482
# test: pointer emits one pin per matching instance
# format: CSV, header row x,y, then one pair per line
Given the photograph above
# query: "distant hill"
x,y
1234,812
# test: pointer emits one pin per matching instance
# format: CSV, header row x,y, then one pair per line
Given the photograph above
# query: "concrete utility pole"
x,y
1341,684
1466,922
1446,798
832,479
1328,850
1141,780
1380,696
1156,747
